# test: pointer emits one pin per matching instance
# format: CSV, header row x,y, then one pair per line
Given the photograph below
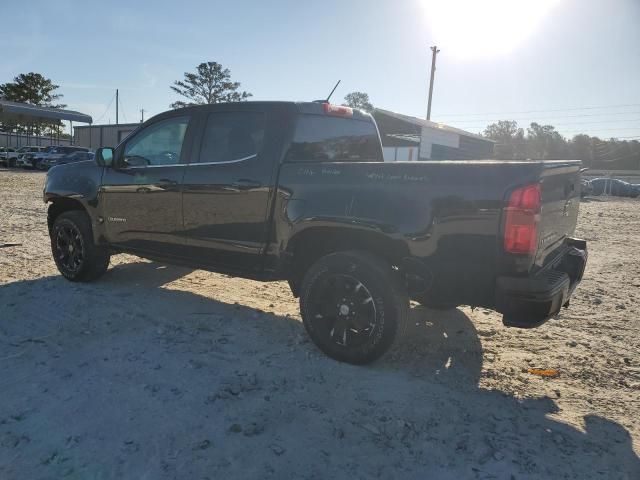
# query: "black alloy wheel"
x,y
353,306
69,247
342,309
76,255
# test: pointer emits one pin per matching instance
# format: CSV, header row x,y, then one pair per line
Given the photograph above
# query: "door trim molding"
x,y
224,163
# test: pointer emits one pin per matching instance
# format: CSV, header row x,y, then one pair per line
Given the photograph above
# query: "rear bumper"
x,y
527,302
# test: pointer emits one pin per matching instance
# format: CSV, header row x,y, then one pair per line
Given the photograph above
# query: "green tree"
x,y
509,138
210,83
581,148
35,89
545,143
359,100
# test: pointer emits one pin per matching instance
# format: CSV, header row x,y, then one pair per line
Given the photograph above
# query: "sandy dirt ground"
x,y
161,372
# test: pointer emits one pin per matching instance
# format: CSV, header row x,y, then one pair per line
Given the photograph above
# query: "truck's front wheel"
x,y
78,259
353,306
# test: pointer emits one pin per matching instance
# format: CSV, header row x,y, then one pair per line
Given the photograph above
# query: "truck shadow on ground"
x,y
158,382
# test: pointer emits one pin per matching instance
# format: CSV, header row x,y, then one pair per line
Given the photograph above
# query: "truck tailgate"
x,y
560,188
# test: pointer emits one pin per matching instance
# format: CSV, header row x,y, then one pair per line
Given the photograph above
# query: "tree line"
x,y
211,83
545,142
34,89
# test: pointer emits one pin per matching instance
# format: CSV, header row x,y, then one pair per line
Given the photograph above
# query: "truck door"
x,y
227,189
141,193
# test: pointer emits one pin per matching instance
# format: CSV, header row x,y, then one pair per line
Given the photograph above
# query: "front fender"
x,y
78,184
80,181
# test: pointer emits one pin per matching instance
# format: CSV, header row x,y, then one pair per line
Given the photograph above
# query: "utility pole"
x,y
435,51
117,102
142,115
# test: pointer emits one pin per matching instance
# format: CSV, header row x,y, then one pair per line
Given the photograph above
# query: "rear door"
x,y
227,189
560,203
141,194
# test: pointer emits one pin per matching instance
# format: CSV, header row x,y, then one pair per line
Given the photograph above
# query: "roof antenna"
x,y
334,89
327,99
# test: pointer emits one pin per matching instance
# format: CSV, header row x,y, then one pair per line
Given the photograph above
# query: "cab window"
x,y
232,136
158,144
326,138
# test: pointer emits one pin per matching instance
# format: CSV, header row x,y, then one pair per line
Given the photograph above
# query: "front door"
x,y
141,194
227,190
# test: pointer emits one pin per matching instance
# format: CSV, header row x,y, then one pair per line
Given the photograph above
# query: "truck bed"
x,y
448,215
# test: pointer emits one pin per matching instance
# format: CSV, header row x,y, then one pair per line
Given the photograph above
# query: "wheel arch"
x,y
312,243
60,205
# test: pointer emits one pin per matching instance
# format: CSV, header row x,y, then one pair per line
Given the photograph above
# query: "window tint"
x,y
232,136
322,137
157,144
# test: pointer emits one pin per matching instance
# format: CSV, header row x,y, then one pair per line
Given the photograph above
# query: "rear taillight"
x,y
521,220
337,110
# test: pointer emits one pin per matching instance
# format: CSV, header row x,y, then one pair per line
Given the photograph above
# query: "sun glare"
x,y
482,28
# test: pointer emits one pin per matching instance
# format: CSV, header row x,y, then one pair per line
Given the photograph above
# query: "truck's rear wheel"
x,y
78,259
353,307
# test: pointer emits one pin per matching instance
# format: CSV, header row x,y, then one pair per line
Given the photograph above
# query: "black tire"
x,y
77,257
353,306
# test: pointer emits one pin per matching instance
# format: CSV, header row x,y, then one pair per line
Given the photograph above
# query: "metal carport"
x,y
14,112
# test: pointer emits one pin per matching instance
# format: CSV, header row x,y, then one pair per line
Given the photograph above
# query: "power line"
x,y
106,110
542,111
122,109
547,118
575,123
600,129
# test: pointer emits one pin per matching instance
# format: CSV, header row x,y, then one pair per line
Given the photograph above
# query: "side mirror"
x,y
104,156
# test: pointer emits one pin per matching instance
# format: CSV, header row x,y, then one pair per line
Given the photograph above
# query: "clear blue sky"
x,y
558,56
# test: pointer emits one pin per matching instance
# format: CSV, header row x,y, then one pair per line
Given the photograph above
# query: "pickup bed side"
x,y
441,222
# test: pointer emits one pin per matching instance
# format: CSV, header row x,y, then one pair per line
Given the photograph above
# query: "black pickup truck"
x,y
300,192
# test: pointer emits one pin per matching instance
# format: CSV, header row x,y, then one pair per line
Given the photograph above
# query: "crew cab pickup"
x,y
300,192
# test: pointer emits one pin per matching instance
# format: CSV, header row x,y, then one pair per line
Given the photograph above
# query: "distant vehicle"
x,y
4,155
300,192
76,157
586,188
57,153
41,155
52,157
615,187
12,156
26,156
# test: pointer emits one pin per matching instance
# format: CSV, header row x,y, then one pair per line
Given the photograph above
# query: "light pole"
x,y
435,51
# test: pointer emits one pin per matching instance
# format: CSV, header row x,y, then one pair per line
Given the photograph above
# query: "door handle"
x,y
245,184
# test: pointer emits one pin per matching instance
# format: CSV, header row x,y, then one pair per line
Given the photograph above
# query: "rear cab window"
x,y
232,136
330,138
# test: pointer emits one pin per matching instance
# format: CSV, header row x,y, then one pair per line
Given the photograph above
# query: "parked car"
x,y
75,157
615,187
41,155
26,156
12,156
4,155
300,192
586,188
57,153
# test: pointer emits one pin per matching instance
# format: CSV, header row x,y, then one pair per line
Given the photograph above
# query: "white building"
x,y
406,138
96,136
